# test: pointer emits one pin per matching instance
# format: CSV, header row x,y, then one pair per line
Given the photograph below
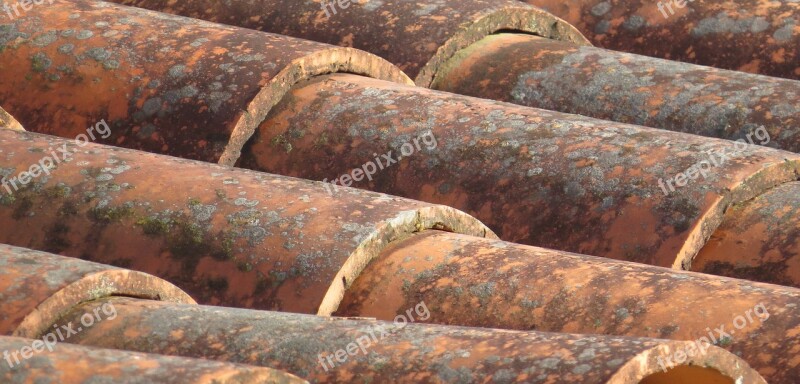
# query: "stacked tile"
x,y
764,231
345,351
226,236
38,289
418,37
476,48
751,36
634,193
261,241
555,75
242,238
535,177
164,83
296,343
489,283
71,364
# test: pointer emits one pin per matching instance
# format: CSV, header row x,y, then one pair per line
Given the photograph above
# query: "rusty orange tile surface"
x,y
758,36
70,364
399,352
226,236
534,176
489,283
163,83
758,239
416,36
36,288
609,85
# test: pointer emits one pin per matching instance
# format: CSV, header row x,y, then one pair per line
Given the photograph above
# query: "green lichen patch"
x,y
58,191
108,215
189,240
7,199
154,226
40,62
244,266
281,141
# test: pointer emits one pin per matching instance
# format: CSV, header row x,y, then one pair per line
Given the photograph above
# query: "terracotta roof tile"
x,y
87,70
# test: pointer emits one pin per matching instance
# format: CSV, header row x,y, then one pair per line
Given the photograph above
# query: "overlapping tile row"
x,y
552,72
226,236
241,238
752,36
71,364
163,83
561,76
396,352
536,177
38,288
417,36
399,352
626,186
489,283
764,231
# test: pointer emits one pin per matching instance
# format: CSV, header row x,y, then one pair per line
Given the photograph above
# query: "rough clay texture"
x,y
416,36
609,85
538,177
37,288
487,283
758,240
226,236
757,36
398,352
69,364
162,83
